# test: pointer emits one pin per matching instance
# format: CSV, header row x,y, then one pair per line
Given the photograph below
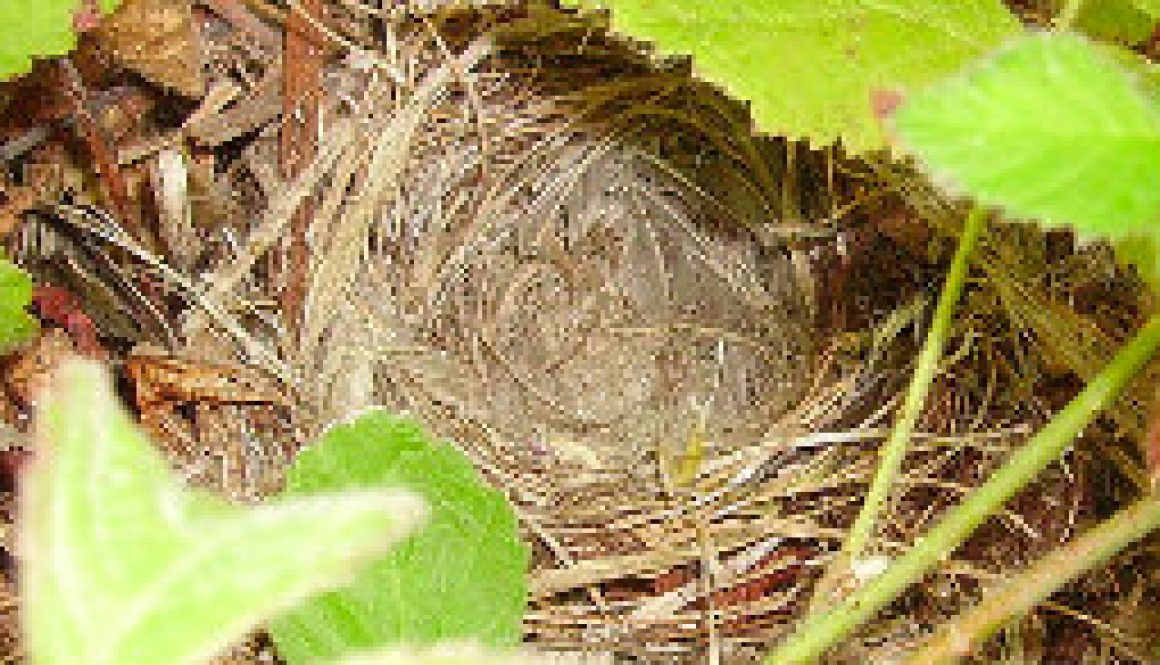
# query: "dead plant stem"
x,y
302,63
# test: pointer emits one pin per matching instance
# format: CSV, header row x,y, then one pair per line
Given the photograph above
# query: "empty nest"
x,y
579,265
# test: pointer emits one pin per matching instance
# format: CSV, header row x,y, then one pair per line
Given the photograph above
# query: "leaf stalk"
x,y
819,633
1019,595
894,450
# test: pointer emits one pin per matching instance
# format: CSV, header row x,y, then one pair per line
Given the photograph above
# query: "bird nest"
x,y
578,264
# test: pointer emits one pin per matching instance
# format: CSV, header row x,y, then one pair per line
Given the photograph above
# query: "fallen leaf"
x,y
157,39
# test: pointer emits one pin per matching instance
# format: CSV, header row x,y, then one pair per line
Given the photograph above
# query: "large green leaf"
x,y
455,654
36,28
1151,7
16,325
1051,128
461,577
810,67
124,566
1122,21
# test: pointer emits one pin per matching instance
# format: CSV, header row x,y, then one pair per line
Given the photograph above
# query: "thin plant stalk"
x,y
894,450
821,631
1019,595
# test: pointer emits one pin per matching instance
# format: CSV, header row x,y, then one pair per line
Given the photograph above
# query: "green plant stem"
x,y
1067,16
813,638
894,450
955,639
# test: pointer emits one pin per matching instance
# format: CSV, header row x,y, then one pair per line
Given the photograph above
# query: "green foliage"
x,y
16,325
36,28
1056,129
1143,252
810,67
124,566
1122,21
1150,7
461,577
1051,129
447,654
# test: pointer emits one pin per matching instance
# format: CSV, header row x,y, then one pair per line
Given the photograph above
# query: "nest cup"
x,y
564,283
571,259
557,252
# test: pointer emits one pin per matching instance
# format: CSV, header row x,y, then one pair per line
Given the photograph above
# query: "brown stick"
x,y
112,184
301,98
109,176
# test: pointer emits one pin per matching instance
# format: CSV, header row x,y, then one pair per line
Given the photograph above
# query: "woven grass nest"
x,y
579,265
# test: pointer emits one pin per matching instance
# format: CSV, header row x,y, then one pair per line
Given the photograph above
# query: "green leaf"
x,y
454,654
1150,7
461,577
124,566
810,67
1122,21
37,28
17,326
1051,128
1143,252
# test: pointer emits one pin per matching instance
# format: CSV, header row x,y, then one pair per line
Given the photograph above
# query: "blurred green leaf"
x,y
121,565
1151,7
1143,252
17,326
37,28
1122,21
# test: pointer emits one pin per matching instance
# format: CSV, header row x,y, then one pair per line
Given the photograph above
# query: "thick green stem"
x,y
894,450
955,639
819,633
